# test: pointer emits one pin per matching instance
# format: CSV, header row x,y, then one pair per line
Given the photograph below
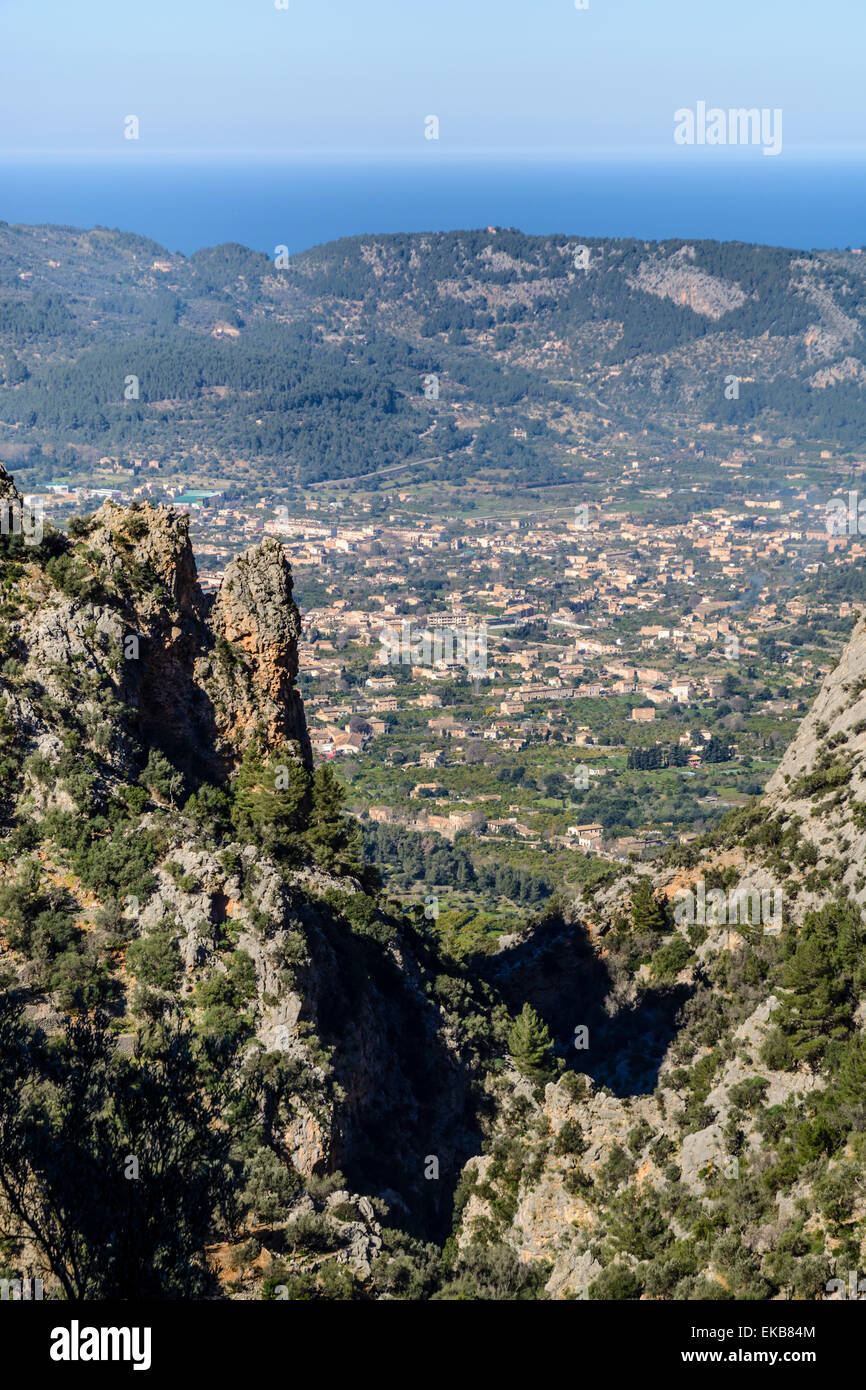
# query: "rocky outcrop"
x,y
122,605
835,331
849,369
821,779
573,1131
255,614
146,559
379,1063
556,1215
117,649
675,277
8,490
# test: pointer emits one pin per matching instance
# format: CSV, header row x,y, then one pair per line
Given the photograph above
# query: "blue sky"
x,y
360,76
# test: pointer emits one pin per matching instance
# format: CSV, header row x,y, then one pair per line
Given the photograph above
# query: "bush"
x,y
40,917
310,1232
220,1001
617,1282
671,958
155,960
569,1141
78,983
271,1186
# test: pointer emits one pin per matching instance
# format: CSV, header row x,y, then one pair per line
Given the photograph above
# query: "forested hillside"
x,y
321,365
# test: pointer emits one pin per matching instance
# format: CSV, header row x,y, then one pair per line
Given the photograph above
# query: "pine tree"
x,y
849,1091
530,1044
647,913
816,1006
269,794
331,836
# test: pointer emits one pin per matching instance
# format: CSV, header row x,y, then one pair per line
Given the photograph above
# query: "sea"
x,y
805,203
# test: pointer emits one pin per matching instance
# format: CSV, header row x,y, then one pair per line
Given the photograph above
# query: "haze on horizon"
x,y
335,77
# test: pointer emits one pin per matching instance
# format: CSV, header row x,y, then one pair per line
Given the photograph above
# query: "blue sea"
x,y
804,203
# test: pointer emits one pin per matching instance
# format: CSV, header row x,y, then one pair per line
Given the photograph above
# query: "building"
x,y
587,836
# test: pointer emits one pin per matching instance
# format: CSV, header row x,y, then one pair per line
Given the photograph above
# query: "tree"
x,y
848,1094
671,958
557,787
530,1044
161,778
718,751
155,959
333,838
272,1185
113,1170
816,1007
638,1228
647,913
270,795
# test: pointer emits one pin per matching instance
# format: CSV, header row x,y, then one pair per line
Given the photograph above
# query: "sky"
x,y
358,78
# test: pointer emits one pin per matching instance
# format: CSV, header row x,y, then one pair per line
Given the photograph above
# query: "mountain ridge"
x,y
314,366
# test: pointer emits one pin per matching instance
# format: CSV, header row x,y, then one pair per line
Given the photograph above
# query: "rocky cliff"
x,y
7,486
168,861
197,679
821,779
255,614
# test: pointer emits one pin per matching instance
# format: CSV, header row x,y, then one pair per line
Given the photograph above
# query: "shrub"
x,y
617,1282
155,960
570,1141
671,958
310,1232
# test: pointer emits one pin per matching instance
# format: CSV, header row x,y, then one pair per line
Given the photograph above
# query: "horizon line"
x,y
721,156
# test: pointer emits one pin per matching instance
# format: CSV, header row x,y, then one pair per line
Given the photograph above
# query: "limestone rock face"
x,y
840,704
156,538
555,1220
113,638
255,613
167,613
677,278
822,777
197,680
8,490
